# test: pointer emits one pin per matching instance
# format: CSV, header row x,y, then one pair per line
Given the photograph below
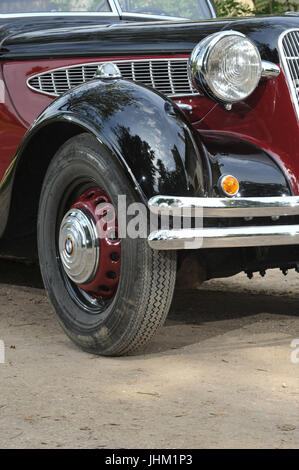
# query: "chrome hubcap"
x,y
79,246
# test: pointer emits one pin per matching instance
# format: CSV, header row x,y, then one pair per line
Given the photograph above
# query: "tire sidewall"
x,y
85,157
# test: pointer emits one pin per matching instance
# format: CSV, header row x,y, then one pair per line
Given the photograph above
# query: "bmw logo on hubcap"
x,y
69,247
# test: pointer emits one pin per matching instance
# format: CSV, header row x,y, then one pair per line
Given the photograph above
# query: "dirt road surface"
x,y
218,375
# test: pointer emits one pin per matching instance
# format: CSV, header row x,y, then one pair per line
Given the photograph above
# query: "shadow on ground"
x,y
189,307
20,274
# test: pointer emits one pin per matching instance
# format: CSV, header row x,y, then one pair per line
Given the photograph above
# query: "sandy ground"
x,y
219,374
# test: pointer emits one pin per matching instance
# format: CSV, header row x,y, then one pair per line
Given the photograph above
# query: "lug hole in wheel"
x,y
111,275
104,288
100,201
90,196
114,257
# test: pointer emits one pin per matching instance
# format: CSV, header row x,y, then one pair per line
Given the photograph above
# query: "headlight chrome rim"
x,y
199,64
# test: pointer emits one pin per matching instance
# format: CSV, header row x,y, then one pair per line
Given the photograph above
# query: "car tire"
x,y
127,320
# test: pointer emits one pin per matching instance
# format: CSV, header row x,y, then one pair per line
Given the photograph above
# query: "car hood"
x,y
77,37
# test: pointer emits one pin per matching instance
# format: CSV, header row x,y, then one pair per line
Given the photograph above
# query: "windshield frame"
x,y
116,11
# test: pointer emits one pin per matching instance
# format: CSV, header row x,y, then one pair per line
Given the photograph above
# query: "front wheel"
x,y
110,294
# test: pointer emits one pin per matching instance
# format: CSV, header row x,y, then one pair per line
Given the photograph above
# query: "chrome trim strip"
x,y
185,107
4,16
269,70
224,237
153,17
114,6
225,207
212,9
286,69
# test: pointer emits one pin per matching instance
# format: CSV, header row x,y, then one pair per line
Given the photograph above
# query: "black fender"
x,y
258,173
149,136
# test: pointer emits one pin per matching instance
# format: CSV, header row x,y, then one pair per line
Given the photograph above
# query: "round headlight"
x,y
226,66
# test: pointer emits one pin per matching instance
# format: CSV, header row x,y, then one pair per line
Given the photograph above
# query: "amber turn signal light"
x,y
229,185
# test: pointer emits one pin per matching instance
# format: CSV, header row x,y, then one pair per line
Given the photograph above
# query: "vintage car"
x,y
144,144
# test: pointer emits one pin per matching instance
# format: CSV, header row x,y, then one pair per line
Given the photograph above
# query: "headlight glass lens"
x,y
233,68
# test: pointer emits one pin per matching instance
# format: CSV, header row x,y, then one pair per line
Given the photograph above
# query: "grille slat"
x,y
289,49
169,76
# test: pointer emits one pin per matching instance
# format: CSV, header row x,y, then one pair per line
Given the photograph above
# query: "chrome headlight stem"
x,y
269,70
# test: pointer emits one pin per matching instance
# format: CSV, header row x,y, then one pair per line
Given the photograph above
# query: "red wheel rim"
x,y
96,205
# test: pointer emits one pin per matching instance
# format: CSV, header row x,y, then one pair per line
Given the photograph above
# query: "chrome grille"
x,y
169,76
289,51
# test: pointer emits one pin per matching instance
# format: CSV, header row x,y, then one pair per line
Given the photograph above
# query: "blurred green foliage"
x,y
261,7
231,8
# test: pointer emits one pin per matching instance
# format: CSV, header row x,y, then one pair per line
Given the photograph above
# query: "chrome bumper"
x,y
244,236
